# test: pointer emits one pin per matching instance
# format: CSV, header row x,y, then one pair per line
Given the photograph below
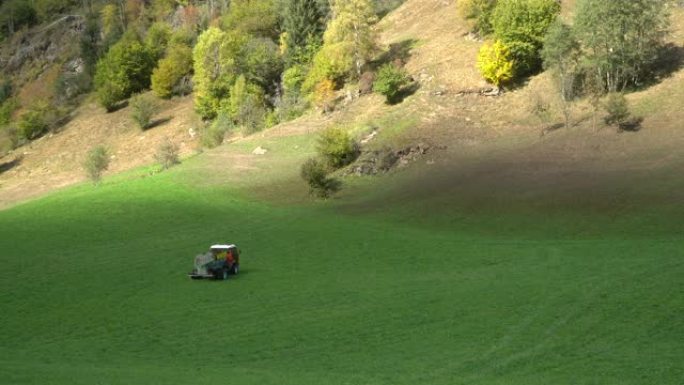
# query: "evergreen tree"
x,y
303,25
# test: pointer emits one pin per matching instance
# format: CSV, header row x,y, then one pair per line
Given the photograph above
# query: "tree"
x,y
253,17
521,25
169,77
246,105
303,24
124,70
621,38
561,55
495,63
157,39
216,64
96,162
351,31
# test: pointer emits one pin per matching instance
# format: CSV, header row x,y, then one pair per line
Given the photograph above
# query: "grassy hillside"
x,y
504,258
94,291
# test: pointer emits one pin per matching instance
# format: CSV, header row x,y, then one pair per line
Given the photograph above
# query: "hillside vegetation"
x,y
515,238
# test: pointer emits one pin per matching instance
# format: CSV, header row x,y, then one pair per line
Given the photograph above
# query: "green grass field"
x,y
444,290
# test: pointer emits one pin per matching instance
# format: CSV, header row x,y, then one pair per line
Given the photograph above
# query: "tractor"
x,y
218,263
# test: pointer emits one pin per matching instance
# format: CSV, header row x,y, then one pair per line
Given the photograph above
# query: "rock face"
x,y
381,161
29,53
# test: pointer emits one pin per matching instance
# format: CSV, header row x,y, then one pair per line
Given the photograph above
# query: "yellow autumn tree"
x,y
351,30
495,63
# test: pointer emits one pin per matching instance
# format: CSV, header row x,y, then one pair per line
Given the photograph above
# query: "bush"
x,y
143,109
315,174
337,148
97,161
617,110
167,154
213,134
390,81
169,78
7,109
5,90
495,63
157,39
37,120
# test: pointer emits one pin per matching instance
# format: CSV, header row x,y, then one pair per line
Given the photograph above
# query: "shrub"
x,y
96,162
495,63
315,174
167,154
7,109
213,134
522,25
390,81
37,120
293,78
168,78
617,109
5,90
143,109
337,147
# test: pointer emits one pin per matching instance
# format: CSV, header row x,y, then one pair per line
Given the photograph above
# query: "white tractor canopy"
x,y
222,247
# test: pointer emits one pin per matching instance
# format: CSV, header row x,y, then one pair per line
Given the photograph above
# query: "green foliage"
x,y
332,63
48,9
246,105
112,24
293,78
89,44
337,148
124,70
7,109
15,14
522,25
260,62
315,174
37,120
213,134
171,77
303,24
157,39
495,63
617,109
621,39
350,33
479,12
217,61
390,80
5,89
143,109
96,162
253,17
167,154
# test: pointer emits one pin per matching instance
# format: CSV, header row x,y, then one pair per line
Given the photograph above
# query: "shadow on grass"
x,y
404,93
670,60
6,166
158,122
117,107
400,51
